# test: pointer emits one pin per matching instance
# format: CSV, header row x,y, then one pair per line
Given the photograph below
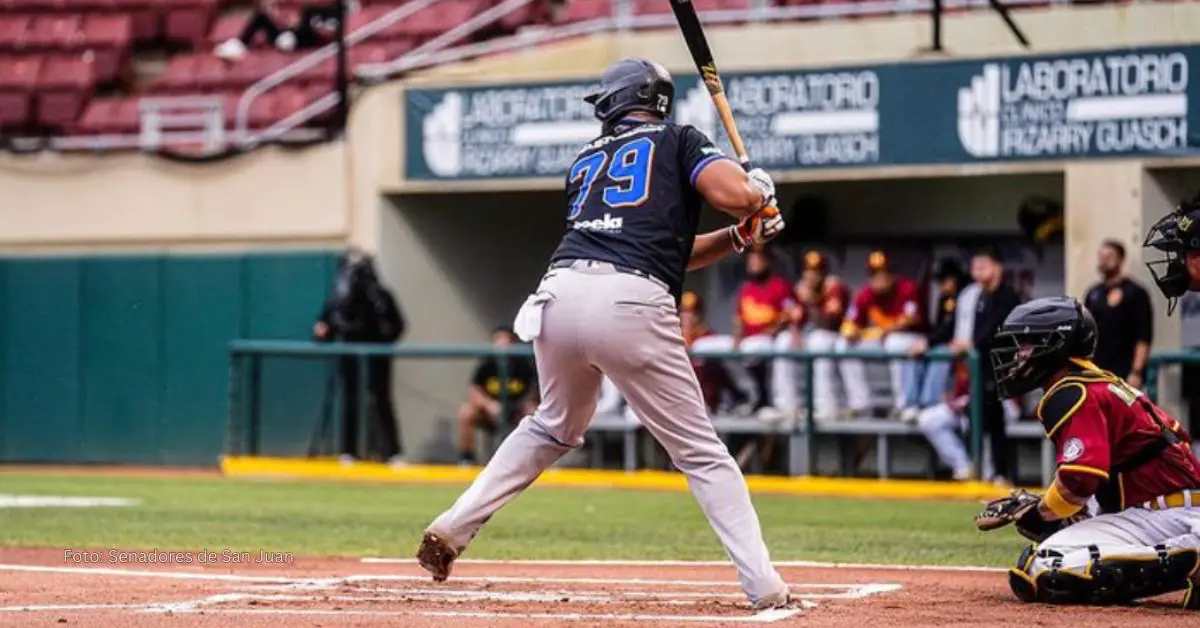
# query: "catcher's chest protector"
x,y
1100,422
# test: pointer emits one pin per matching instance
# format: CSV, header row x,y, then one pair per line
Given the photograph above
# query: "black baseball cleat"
x,y
436,556
1191,600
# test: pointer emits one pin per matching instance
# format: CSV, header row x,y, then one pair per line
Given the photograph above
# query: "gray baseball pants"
x,y
625,326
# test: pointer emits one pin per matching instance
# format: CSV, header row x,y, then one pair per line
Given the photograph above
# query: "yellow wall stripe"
x,y
332,469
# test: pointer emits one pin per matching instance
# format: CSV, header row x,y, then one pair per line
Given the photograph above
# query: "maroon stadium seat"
x,y
65,86
584,10
13,31
227,27
535,12
110,116
436,19
108,38
55,32
256,65
18,78
188,21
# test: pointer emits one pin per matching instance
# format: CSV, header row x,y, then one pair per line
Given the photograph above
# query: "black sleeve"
x,y
943,331
481,374
1143,316
695,152
391,321
1001,304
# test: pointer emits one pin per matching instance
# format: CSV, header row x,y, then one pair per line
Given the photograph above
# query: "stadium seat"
x,y
55,32
188,21
535,12
13,31
584,10
257,64
227,27
436,19
64,88
108,39
110,116
18,80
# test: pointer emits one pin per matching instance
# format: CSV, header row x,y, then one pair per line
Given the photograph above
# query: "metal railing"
x,y
246,368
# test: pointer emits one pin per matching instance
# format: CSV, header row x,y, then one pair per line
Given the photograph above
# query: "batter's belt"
x,y
616,268
1182,499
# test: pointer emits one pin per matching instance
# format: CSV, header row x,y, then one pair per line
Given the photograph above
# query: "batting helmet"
x,y
1038,339
632,85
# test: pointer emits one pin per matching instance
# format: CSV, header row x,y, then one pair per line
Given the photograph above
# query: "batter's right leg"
x,y
651,367
570,387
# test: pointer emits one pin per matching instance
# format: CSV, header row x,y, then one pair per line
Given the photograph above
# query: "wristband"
x,y
1058,504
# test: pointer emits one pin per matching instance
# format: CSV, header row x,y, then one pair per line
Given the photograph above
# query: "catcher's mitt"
x,y
1001,512
1021,508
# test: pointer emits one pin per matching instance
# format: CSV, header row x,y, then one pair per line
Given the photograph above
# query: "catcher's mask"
x,y
1168,242
1037,340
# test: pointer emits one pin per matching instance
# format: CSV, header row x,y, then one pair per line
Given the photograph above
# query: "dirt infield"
x,y
42,587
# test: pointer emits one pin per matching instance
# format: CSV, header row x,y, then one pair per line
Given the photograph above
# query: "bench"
x,y
884,430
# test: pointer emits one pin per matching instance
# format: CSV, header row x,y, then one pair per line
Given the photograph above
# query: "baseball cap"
x,y
815,260
877,262
690,301
947,267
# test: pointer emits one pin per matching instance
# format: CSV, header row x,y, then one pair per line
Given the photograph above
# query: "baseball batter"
x,y
608,306
1113,444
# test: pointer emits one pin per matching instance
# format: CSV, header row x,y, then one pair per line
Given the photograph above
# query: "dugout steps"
x,y
333,469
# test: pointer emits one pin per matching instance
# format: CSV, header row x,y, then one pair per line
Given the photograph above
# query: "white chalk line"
x,y
690,563
763,617
208,604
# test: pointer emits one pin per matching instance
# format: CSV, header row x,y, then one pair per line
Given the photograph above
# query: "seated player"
x,y
1113,444
758,327
484,408
1173,251
928,382
945,423
887,314
822,300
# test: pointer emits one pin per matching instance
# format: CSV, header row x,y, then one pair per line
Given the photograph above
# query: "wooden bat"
x,y
693,34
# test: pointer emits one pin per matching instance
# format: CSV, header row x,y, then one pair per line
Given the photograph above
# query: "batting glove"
x,y
763,183
758,229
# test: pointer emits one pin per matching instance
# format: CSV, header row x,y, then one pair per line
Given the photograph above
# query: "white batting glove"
x,y
756,230
763,183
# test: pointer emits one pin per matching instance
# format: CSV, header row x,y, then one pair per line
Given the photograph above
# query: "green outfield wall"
x,y
124,359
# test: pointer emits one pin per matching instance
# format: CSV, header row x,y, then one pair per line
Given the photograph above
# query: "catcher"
x,y
1113,444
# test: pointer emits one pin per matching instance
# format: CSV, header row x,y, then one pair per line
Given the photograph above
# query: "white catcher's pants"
x,y
1133,532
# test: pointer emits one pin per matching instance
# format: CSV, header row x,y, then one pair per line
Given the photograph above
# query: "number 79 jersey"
x,y
632,200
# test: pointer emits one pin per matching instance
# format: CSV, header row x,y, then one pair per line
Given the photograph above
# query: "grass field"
x,y
317,518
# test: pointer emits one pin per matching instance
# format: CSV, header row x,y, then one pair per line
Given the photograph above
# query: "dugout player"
x,y
886,314
1173,252
1114,444
608,306
822,300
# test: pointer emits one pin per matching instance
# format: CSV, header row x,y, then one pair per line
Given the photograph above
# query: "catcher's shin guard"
x,y
1105,580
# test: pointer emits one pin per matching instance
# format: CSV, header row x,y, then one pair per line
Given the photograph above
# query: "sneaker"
x,y
286,41
769,414
436,556
964,474
347,460
231,50
397,462
775,600
910,414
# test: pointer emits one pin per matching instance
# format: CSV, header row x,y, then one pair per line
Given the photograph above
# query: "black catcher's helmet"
x,y
632,85
1037,340
1168,241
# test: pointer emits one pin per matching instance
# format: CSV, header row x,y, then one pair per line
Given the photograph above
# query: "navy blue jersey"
x,y
632,200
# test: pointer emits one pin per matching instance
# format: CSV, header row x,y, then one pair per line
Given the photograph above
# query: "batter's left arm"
x,y
710,248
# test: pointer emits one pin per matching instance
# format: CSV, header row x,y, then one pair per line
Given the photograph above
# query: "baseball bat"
x,y
693,34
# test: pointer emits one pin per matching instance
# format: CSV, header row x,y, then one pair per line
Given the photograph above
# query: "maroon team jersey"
x,y
1103,427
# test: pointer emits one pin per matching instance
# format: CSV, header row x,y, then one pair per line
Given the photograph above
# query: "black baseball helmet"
x,y
1037,340
632,85
1168,241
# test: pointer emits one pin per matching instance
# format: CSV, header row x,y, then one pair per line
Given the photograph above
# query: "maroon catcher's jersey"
x,y
1104,427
